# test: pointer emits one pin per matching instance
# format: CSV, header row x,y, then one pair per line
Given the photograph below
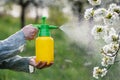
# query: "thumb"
x,y
33,62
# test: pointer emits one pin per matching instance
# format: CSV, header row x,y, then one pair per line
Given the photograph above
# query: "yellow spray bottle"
x,y
44,42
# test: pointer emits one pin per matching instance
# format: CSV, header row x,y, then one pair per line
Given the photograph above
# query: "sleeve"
x,y
17,63
12,45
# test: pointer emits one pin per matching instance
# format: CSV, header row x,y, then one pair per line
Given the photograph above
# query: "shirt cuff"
x,y
31,69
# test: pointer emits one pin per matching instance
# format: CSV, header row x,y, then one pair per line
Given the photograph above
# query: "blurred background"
x,y
76,52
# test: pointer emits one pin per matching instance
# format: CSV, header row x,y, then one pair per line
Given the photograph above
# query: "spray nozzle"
x,y
44,28
43,20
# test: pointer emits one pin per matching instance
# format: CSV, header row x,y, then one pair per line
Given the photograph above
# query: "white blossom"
x,y
95,2
89,13
114,8
106,60
104,72
111,38
97,72
111,35
111,18
99,14
111,31
112,5
98,31
110,49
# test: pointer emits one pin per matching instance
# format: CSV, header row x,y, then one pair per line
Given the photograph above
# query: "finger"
x,y
42,65
49,64
33,34
38,64
31,37
33,62
34,30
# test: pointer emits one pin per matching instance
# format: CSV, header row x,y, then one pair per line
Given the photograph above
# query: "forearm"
x,y
16,63
12,45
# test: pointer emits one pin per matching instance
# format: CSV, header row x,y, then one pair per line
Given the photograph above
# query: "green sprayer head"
x,y
44,29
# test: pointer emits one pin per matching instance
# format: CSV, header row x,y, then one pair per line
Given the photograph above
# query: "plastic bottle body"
x,y
44,49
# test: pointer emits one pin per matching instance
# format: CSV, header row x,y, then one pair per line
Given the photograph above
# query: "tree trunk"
x,y
22,17
23,8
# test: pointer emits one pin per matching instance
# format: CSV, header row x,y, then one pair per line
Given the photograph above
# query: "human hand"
x,y
29,32
39,65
